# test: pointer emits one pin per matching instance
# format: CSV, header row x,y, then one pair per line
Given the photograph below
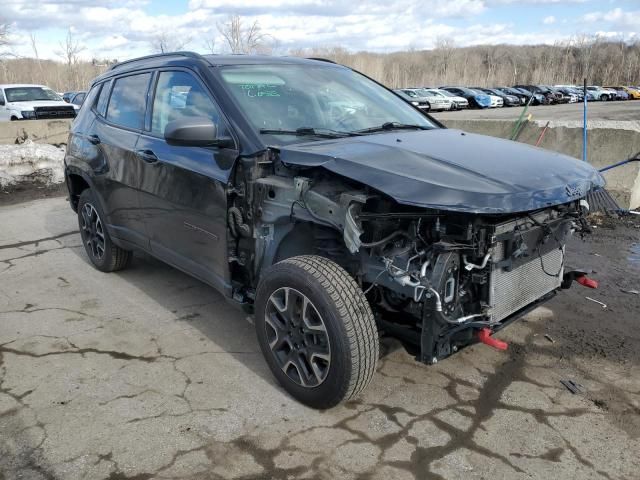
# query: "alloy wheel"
x,y
92,230
297,337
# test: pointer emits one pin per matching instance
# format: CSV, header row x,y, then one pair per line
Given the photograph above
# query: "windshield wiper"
x,y
310,131
392,126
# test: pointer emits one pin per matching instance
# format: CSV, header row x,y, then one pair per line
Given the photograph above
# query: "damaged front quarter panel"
x,y
434,277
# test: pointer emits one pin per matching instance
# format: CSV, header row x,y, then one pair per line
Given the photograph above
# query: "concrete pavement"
x,y
149,373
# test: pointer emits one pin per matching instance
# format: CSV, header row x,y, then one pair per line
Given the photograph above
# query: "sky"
x,y
120,29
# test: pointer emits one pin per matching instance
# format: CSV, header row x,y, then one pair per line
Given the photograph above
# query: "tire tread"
x,y
356,314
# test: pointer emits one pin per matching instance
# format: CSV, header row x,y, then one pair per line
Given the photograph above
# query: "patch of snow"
x,y
31,162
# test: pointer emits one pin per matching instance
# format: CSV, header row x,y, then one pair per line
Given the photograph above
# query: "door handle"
x,y
93,139
147,156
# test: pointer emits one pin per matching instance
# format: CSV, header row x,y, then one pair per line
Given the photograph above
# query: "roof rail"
x,y
158,55
320,59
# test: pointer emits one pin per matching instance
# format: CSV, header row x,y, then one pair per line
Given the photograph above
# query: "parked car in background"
x,y
66,96
32,102
421,103
538,99
632,92
507,99
78,98
612,92
568,91
496,100
620,92
476,99
599,93
435,92
560,96
437,101
459,103
512,91
548,96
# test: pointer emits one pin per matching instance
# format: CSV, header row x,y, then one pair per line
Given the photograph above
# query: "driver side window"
x,y
179,95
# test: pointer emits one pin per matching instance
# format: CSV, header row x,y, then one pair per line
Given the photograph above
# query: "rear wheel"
x,y
103,253
316,330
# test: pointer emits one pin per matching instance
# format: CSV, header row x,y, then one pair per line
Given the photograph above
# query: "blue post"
x,y
584,127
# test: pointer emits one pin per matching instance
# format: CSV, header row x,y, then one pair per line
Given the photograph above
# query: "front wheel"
x,y
316,330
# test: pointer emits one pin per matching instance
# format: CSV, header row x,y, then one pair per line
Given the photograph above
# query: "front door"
x,y
183,189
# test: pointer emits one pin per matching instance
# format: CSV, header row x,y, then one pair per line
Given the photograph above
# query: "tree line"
x,y
602,62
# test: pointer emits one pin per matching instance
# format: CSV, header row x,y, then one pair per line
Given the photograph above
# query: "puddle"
x,y
634,257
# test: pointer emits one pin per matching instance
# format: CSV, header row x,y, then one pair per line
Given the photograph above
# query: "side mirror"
x,y
2,103
194,132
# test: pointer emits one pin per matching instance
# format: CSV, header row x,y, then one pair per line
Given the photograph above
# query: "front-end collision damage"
x,y
435,279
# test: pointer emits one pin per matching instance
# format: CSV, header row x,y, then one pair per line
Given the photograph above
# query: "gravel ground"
x,y
624,110
148,373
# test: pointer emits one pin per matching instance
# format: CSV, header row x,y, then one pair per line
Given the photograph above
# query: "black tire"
x,y
349,336
103,253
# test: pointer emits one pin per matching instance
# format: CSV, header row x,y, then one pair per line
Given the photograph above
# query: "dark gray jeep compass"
x,y
325,204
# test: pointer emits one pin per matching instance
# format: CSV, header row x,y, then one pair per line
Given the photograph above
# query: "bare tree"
x,y
443,50
244,39
165,42
210,44
4,35
70,49
34,48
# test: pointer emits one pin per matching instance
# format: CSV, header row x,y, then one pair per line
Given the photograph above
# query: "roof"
x,y
264,60
194,59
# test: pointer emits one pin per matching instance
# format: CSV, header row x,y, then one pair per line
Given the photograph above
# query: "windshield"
x,y
30,94
294,97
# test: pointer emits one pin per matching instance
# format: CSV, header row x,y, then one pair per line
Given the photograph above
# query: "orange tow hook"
x,y
484,335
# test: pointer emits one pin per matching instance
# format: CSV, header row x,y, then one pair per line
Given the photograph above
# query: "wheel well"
x,y
76,185
298,241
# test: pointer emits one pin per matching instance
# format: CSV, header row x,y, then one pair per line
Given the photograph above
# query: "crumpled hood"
x,y
452,170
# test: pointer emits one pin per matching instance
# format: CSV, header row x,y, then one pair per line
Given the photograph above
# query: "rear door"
x,y
183,189
120,118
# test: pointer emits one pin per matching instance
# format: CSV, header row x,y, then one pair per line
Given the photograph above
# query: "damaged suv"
x,y
324,204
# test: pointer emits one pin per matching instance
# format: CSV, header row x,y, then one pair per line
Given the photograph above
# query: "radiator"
x,y
509,291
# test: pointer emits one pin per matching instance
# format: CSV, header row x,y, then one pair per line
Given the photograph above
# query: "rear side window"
x,y
90,97
128,100
179,95
103,99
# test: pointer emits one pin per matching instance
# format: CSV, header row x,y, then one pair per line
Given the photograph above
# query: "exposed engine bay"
x,y
435,279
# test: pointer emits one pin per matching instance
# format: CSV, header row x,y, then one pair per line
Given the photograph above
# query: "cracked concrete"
x,y
148,373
